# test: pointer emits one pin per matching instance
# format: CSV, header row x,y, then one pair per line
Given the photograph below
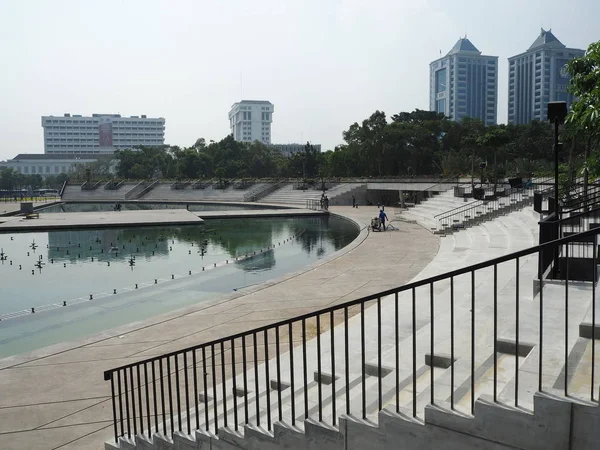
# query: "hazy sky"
x,y
324,64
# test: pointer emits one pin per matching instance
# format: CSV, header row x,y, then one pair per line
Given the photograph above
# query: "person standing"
x,y
382,218
353,201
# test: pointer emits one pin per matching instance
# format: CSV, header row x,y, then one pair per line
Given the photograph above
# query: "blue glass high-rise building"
x,y
464,83
537,77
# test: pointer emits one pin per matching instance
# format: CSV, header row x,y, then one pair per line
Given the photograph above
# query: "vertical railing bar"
x,y
140,399
432,343
517,333
114,406
362,361
256,384
162,396
224,384
134,421
414,351
245,370
148,417
234,381
319,375
496,333
379,399
346,360
594,276
397,348
205,389
333,393
170,395
304,368
120,403
452,342
541,324
566,321
292,377
472,342
125,389
196,398
214,388
155,400
176,358
187,393
278,368
267,381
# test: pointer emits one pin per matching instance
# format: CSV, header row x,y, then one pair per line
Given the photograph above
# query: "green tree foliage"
x,y
418,143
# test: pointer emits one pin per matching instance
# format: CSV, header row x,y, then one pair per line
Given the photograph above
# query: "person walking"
x,y
382,218
353,201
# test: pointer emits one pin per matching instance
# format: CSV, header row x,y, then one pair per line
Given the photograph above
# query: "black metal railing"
x,y
340,359
494,203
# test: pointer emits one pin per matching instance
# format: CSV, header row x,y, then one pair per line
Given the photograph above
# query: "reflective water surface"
x,y
137,206
47,270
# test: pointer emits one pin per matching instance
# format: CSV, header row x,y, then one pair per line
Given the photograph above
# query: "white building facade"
x,y
537,77
48,164
250,120
100,133
464,83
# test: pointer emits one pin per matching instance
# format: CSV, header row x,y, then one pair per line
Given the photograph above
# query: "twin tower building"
x,y
464,83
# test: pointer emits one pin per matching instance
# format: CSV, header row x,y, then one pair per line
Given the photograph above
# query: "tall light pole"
x,y
557,111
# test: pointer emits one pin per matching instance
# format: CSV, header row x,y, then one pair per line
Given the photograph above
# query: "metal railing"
x,y
362,356
474,211
262,191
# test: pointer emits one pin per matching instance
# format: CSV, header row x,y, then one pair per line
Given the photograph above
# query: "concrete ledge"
x,y
439,360
373,370
324,377
585,330
509,347
281,386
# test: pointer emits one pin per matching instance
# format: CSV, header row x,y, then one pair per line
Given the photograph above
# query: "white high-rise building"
x,y
537,77
100,133
464,83
250,120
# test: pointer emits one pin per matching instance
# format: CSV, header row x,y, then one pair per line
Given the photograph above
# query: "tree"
x,y
585,111
585,85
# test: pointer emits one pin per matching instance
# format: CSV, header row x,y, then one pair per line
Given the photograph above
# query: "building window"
x,y
441,106
440,81
56,169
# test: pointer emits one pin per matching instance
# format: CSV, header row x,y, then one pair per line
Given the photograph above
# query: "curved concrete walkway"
x,y
56,397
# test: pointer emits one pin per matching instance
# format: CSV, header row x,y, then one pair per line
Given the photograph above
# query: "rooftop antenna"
x,y
241,89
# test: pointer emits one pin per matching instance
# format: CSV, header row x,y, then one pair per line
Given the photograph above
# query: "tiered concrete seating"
x,y
289,195
75,193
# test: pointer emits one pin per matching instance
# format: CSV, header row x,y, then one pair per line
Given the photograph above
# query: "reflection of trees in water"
x,y
235,237
109,244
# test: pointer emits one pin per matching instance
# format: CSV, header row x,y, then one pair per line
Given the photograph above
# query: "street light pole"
x,y
556,123
557,111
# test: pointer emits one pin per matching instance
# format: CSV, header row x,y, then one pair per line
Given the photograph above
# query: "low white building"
x,y
47,164
250,120
100,133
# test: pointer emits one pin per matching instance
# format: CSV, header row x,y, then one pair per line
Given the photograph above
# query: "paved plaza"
x,y
56,397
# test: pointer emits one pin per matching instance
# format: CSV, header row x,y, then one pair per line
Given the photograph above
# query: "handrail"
x,y
192,364
449,180
415,284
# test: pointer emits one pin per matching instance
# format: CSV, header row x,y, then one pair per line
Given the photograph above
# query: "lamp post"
x,y
557,111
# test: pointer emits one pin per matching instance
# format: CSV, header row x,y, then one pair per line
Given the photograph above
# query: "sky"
x,y
324,64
